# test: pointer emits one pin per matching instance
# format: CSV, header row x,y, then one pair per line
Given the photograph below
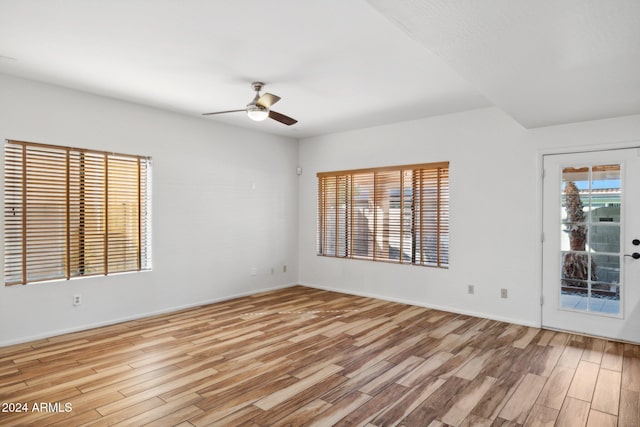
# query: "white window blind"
x,y
395,214
72,212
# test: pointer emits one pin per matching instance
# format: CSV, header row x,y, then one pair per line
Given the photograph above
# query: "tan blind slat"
x,y
74,212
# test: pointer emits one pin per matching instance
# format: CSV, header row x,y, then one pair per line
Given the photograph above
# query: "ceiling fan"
x,y
260,108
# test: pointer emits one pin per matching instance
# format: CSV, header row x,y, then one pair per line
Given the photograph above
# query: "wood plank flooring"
x,y
302,356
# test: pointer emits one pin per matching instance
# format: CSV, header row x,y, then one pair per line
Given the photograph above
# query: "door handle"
x,y
634,255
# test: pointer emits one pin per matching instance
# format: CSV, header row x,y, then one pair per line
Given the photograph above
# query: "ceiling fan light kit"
x,y
260,107
257,113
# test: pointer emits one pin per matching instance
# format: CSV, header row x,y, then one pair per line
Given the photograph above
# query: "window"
x,y
396,214
72,212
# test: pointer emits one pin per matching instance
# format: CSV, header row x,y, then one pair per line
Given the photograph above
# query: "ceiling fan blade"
x,y
267,100
223,112
282,118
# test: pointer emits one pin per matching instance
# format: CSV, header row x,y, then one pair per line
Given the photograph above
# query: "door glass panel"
x,y
607,268
590,239
603,238
575,295
605,298
573,181
573,236
605,192
575,266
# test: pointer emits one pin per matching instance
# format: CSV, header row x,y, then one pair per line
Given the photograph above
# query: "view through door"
x,y
591,224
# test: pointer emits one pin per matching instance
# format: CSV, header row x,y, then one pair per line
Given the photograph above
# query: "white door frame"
x,y
541,153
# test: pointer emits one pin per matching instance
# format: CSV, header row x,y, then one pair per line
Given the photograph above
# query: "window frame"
x,y
60,193
337,206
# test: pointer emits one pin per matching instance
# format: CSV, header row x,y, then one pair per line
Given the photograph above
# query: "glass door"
x,y
590,278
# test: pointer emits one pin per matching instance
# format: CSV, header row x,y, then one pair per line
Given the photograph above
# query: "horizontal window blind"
x,y
73,212
395,214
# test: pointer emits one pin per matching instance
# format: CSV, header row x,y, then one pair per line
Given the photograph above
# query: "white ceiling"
x,y
337,64
544,62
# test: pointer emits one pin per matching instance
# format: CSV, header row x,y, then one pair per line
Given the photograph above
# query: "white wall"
x,y
203,253
210,226
495,213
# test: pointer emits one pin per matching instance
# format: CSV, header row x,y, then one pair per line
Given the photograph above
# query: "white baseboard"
x,y
433,306
110,322
257,291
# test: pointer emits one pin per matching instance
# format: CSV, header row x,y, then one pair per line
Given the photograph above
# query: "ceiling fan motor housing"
x,y
257,86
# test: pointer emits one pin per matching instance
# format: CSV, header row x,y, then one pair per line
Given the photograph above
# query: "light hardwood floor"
x,y
302,356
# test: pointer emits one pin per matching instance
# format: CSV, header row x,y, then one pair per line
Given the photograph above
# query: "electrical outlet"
x,y
470,289
284,268
77,300
503,293
254,271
